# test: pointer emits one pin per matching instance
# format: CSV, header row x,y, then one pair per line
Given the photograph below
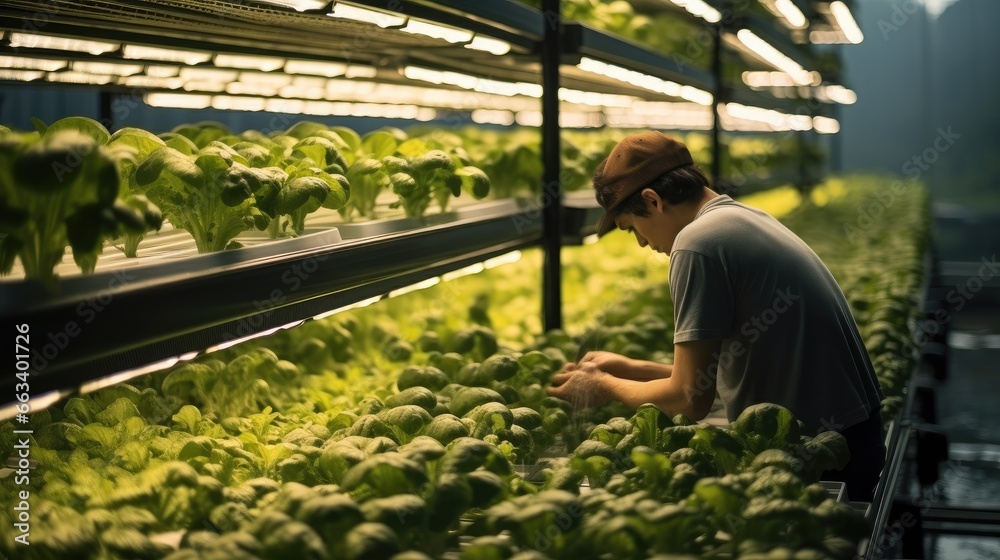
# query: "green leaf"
x,y
188,419
379,144
83,125
412,148
474,180
171,161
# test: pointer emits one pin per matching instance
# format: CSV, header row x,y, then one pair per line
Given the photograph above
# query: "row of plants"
x,y
75,184
404,430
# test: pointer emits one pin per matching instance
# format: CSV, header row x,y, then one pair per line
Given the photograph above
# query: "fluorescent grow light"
x,y
467,81
788,12
826,125
158,71
178,100
299,5
774,57
107,68
262,63
20,75
79,78
238,103
700,9
490,116
165,55
25,63
423,284
645,81
33,41
151,82
840,94
489,44
357,305
38,403
846,22
435,31
366,15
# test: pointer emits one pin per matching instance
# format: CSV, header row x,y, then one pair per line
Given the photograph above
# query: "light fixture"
x,y
841,94
580,119
466,270
262,63
490,116
500,260
38,403
158,71
20,75
238,103
165,55
528,118
366,15
846,22
359,71
774,57
79,78
645,81
423,284
435,31
315,68
467,81
700,9
261,334
789,13
660,114
595,99
284,105
204,86
826,125
489,44
178,100
111,68
243,88
825,37
123,376
151,82
425,114
33,41
299,5
356,305
25,63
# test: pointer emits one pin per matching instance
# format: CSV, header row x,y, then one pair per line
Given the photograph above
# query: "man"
x,y
758,316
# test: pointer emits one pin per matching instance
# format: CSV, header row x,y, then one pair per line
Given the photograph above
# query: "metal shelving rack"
x,y
219,298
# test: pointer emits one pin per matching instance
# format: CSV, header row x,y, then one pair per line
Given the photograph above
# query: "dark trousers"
x,y
867,447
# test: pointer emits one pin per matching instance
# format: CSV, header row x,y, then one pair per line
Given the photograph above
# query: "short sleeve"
x,y
703,299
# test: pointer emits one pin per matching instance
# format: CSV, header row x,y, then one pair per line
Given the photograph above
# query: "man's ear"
x,y
652,197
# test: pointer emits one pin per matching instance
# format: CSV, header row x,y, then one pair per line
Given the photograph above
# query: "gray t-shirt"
x,y
788,336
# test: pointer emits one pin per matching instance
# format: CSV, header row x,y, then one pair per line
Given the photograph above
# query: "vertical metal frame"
x,y
551,185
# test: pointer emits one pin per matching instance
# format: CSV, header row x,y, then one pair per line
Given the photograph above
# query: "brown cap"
x,y
633,164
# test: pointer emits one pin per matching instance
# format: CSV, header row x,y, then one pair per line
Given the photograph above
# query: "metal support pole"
x,y
716,169
551,187
106,102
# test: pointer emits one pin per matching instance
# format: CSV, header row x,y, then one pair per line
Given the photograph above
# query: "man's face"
x,y
658,230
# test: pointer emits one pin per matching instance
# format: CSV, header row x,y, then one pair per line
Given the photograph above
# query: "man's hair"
x,y
678,186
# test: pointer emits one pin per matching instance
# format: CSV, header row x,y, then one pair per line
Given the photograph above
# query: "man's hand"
x,y
609,362
623,367
584,386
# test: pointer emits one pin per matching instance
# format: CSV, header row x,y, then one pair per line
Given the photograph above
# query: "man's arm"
x,y
623,366
690,389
